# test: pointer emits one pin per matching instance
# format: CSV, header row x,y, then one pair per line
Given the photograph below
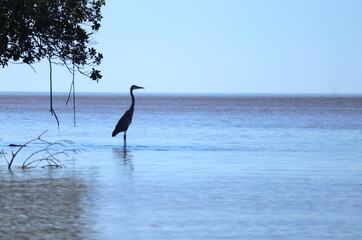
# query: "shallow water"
x,y
196,167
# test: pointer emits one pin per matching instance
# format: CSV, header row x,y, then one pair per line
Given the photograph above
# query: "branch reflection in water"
x,y
46,207
125,155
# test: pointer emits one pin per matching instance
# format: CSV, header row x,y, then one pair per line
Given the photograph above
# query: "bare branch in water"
x,y
51,153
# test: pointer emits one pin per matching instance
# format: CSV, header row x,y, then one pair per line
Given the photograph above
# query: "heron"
x,y
126,119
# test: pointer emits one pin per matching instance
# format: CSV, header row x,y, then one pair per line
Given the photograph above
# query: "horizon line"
x,y
190,93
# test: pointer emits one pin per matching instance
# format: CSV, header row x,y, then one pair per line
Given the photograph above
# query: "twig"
x,y
52,154
32,68
31,155
2,154
22,146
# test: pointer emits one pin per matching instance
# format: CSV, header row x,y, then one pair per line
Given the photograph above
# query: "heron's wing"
x,y
126,119
123,123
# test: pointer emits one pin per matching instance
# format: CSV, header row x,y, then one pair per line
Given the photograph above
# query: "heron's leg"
x,y
124,139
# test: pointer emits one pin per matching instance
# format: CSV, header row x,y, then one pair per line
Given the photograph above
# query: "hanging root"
x,y
51,90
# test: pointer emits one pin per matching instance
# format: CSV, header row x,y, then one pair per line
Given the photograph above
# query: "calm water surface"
x,y
196,167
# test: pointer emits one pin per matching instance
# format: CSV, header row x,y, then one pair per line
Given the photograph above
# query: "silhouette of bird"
x,y
126,119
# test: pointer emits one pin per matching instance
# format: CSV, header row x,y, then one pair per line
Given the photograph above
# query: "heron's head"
x,y
136,87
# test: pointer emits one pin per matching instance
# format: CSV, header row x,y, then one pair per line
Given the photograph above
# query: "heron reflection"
x,y
125,155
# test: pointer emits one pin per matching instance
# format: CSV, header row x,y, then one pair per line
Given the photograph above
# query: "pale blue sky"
x,y
218,46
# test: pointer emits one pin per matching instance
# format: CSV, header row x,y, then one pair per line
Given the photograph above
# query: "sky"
x,y
217,46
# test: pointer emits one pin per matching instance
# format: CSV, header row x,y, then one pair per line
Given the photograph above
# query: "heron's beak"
x,y
140,87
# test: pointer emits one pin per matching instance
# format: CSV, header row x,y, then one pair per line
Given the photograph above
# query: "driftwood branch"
x,y
21,147
51,153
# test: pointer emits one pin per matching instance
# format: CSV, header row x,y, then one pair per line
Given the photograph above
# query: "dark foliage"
x,y
59,30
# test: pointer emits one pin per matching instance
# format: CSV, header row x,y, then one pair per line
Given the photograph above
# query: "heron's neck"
x,y
133,100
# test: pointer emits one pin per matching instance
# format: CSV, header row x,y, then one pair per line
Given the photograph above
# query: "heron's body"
x,y
126,120
123,122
